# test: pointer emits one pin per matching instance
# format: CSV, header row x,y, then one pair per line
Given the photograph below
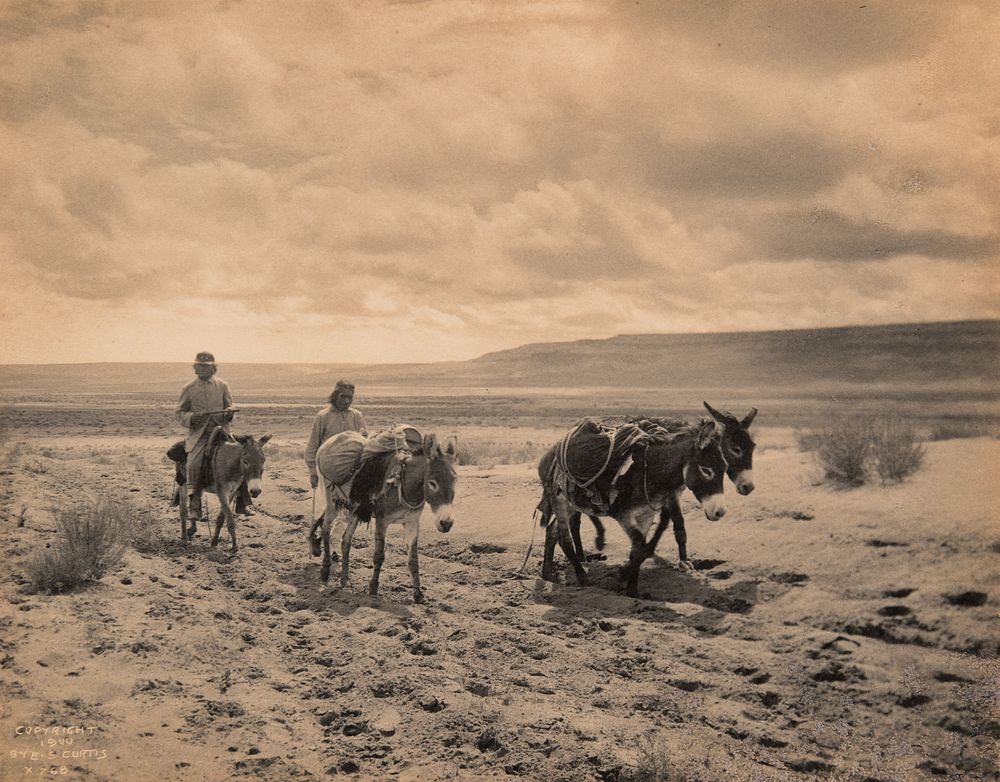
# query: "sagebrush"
x,y
92,542
843,448
895,450
851,449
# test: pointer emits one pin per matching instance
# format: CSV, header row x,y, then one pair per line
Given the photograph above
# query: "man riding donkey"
x,y
338,417
205,403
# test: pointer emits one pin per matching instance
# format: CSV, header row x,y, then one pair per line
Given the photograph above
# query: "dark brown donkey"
x,y
737,446
230,463
395,491
634,493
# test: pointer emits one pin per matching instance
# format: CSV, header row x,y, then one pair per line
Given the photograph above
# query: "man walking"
x,y
204,404
338,417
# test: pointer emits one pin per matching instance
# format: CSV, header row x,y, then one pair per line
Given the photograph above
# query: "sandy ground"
x,y
824,634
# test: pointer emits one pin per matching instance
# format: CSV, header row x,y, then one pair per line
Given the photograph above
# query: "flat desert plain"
x,y
823,633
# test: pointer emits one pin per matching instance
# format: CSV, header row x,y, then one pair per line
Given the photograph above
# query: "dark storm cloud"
x,y
827,236
788,164
815,34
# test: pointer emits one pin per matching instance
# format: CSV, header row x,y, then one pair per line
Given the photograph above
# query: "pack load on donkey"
x,y
635,471
341,461
402,474
586,465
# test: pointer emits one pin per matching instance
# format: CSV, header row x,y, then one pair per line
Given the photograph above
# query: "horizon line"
x,y
356,364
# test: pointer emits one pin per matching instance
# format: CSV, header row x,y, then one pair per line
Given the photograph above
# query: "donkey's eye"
x,y
707,473
432,485
737,451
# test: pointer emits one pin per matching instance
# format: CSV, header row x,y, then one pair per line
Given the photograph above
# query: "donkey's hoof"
x,y
324,574
685,564
418,596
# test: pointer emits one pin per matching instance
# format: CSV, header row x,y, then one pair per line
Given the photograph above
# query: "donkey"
x,y
690,456
230,463
395,490
737,446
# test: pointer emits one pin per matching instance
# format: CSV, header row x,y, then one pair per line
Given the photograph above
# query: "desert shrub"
x,y
850,449
843,448
92,541
895,448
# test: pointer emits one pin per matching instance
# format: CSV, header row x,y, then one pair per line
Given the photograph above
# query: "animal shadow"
x,y
666,582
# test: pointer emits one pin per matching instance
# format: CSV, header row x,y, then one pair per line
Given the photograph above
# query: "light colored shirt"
x,y
326,424
202,396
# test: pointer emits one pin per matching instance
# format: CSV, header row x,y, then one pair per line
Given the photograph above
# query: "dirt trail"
x,y
822,635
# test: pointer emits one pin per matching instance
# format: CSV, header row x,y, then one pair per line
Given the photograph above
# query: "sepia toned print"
x,y
665,338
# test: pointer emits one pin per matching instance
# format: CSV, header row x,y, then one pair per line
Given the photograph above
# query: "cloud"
x,y
829,236
480,176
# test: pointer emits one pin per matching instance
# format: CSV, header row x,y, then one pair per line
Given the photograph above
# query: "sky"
x,y
423,181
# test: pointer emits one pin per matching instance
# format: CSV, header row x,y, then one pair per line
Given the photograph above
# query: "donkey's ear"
x,y
723,417
264,439
451,447
708,430
430,444
745,423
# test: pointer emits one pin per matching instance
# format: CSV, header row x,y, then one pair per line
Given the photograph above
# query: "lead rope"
x,y
531,543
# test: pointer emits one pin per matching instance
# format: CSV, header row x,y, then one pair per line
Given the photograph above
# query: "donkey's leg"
x,y
231,521
574,531
192,513
311,536
671,511
217,528
412,529
599,537
563,515
345,549
183,515
637,555
681,536
324,571
551,534
329,510
378,557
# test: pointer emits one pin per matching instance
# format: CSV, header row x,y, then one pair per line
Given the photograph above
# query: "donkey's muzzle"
x,y
443,519
744,482
254,487
714,507
445,525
